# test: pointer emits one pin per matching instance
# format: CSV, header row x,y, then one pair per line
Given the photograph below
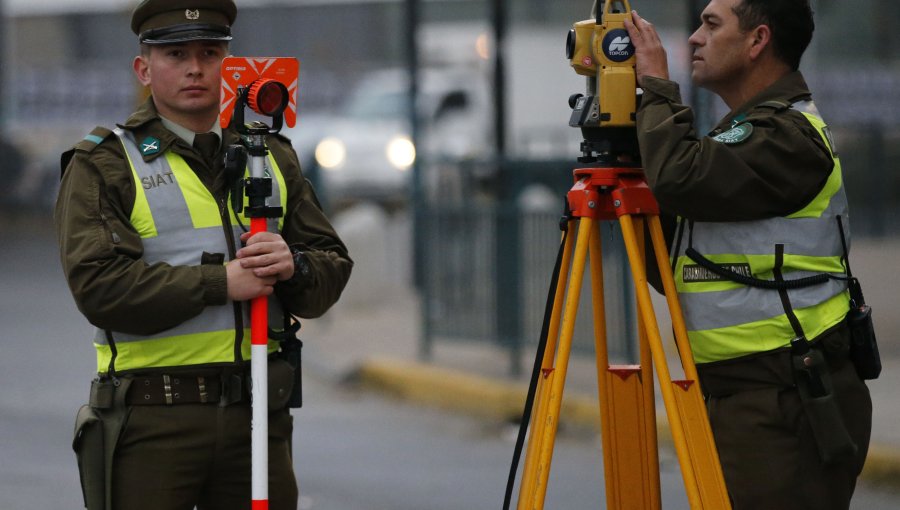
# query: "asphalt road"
x,y
353,451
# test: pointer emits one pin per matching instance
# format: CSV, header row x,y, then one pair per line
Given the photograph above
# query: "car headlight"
x,y
401,152
330,153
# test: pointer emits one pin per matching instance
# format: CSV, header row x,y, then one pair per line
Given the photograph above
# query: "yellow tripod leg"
x,y
536,434
646,358
548,422
703,453
648,318
627,415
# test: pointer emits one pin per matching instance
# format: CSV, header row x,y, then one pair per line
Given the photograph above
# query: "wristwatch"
x,y
303,275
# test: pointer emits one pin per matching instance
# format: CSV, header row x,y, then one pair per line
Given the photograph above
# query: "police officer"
x,y
156,262
761,196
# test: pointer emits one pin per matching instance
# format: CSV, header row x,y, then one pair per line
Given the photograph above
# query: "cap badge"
x,y
192,15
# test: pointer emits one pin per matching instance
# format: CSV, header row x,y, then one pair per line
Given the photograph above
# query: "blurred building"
x,y
68,60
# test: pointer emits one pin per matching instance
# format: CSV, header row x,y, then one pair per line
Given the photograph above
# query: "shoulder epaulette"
x,y
93,139
775,105
88,144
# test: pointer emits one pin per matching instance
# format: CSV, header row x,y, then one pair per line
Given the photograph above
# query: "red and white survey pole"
x,y
268,97
259,354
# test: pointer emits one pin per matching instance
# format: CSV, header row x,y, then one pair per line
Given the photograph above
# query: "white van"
x,y
364,151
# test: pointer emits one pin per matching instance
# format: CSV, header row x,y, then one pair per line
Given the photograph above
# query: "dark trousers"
x,y
182,456
768,452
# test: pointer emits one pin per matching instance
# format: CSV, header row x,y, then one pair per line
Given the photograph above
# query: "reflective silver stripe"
x,y
719,309
221,319
179,243
170,248
800,236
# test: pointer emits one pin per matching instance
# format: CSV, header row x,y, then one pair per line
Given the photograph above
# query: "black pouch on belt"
x,y
863,346
88,446
814,385
281,381
290,352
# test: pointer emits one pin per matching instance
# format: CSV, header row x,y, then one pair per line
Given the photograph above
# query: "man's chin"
x,y
697,80
200,107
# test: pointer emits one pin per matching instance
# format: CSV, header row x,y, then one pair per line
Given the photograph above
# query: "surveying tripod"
x,y
626,394
614,188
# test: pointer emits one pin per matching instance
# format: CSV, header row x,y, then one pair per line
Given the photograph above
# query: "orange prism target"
x,y
243,71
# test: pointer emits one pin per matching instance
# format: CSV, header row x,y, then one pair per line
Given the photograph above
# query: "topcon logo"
x,y
617,45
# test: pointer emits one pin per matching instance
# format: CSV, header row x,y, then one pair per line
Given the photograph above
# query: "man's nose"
x,y
695,39
193,65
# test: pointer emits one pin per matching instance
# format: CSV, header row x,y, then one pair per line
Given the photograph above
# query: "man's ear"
x,y
761,38
142,69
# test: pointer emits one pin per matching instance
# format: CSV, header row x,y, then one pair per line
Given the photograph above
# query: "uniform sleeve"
x,y
777,170
101,253
307,228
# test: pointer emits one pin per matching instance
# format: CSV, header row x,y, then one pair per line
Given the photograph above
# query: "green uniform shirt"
x,y
101,252
702,179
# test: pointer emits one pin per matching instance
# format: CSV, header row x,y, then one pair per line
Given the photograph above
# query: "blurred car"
x,y
365,152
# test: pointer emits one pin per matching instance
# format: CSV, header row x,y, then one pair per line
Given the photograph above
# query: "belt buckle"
x,y
167,389
201,385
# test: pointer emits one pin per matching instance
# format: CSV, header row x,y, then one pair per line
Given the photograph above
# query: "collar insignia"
x,y
149,146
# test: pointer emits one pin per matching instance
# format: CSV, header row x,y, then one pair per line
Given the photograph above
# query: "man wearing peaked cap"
x,y
173,21
158,262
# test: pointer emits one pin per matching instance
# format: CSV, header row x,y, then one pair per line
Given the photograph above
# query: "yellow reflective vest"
x,y
726,319
179,221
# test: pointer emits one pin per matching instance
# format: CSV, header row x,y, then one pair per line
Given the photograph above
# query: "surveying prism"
x,y
260,84
611,187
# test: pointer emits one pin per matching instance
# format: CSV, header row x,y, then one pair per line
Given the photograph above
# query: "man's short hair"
x,y
791,22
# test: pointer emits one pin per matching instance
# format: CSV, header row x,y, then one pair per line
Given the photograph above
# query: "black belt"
x,y
177,389
769,369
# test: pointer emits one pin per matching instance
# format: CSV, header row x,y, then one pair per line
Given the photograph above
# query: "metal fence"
x,y
487,263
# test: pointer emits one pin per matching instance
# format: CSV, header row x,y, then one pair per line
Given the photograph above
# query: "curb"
x,y
487,398
461,392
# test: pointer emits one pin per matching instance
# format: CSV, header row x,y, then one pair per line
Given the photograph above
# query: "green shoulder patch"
x,y
735,135
93,139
